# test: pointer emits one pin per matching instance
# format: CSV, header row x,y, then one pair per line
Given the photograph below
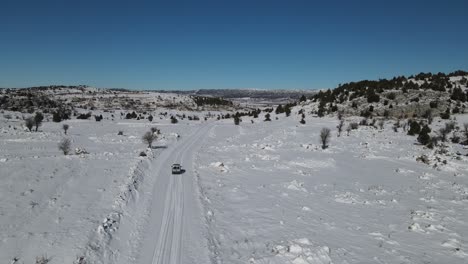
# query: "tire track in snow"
x,y
169,240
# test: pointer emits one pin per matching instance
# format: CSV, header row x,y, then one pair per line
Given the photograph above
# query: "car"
x,y
176,168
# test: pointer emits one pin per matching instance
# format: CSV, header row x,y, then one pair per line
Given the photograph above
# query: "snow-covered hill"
x,y
403,97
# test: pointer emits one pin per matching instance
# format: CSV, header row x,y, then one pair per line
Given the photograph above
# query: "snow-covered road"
x,y
175,228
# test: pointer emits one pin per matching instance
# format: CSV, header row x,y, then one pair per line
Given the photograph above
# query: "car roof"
x,y
176,164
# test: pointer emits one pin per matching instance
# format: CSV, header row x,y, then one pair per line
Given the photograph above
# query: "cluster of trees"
x,y
422,130
98,118
139,116
25,100
285,109
201,101
237,116
372,90
84,116
60,115
132,115
459,95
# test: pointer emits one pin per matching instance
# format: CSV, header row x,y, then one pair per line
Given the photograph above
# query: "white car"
x,y
176,168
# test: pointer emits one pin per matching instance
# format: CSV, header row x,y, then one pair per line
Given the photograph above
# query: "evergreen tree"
x,y
279,109
424,137
287,110
415,128
38,119
458,95
446,114
237,119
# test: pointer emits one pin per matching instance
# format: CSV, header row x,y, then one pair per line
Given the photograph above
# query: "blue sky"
x,y
289,44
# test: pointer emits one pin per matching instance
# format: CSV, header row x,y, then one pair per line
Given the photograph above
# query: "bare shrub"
x,y
149,137
429,116
443,132
155,130
423,158
340,126
354,125
42,260
65,146
340,115
465,132
65,128
325,134
381,124
450,126
29,122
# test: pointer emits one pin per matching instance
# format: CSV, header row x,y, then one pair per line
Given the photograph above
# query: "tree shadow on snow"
x,y
159,147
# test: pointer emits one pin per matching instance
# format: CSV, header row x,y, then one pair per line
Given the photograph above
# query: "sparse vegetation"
x,y
42,260
201,101
443,132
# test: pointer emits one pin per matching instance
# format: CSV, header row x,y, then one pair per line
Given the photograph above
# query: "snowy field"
x,y
69,207
255,193
272,195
